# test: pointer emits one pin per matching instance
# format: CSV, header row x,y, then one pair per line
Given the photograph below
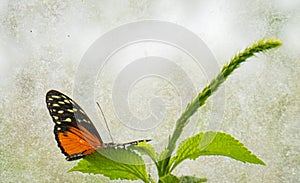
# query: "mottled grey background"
x,y
42,44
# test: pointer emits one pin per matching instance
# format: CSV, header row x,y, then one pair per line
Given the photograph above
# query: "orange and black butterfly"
x,y
75,133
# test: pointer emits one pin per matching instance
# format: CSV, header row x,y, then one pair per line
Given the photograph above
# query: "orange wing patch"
x,y
78,142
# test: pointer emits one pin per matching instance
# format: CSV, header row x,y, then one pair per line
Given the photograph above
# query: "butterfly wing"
x,y
75,133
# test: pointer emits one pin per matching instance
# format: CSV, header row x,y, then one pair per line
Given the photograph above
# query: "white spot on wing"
x,y
68,120
70,110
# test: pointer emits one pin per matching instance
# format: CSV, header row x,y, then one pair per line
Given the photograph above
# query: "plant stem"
x,y
152,180
200,100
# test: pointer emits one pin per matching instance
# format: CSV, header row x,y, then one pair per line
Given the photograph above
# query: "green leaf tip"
x,y
114,163
213,143
270,43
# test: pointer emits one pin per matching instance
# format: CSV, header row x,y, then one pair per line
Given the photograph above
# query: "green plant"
x,y
119,163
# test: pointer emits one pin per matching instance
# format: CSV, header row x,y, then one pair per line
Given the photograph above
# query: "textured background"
x,y
42,43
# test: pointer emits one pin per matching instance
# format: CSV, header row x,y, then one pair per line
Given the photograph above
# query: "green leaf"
x,y
192,179
169,178
163,155
213,143
145,149
115,163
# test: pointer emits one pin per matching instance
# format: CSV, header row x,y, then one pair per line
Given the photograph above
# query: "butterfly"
x,y
75,133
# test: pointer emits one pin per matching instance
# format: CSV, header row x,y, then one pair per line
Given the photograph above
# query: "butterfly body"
x,y
75,133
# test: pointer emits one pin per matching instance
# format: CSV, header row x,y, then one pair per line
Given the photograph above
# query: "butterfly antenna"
x,y
105,122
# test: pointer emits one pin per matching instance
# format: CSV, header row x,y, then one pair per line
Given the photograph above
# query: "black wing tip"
x,y
74,157
52,91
